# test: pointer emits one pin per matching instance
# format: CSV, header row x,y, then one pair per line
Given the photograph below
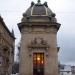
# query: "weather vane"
x,y
38,1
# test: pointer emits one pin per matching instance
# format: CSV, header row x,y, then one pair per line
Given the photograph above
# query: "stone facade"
x,y
6,49
39,51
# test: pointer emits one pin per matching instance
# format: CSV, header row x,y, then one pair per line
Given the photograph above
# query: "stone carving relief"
x,y
39,44
39,41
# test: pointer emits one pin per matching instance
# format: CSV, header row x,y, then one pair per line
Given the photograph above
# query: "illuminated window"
x,y
38,63
38,58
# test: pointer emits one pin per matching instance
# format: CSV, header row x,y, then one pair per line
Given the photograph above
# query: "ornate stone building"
x,y
39,51
7,41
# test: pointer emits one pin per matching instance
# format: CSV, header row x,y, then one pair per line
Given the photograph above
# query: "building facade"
x,y
73,70
65,70
39,51
6,49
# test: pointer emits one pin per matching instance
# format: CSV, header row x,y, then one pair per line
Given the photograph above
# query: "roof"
x,y
11,34
39,11
39,14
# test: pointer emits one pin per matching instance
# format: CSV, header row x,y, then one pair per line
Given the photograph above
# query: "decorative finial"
x,y
46,4
39,1
32,3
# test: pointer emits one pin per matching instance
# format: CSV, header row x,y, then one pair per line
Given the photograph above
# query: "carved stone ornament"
x,y
39,43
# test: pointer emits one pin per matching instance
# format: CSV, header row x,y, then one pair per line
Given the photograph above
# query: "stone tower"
x,y
39,51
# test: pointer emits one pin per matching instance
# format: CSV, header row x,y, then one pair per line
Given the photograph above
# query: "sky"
x,y
12,10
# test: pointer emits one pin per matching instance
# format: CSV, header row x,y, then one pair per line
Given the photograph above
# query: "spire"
x,y
13,32
39,1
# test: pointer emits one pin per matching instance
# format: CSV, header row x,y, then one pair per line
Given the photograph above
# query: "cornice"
x,y
38,24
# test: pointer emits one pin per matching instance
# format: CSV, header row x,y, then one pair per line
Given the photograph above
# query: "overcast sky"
x,y
12,10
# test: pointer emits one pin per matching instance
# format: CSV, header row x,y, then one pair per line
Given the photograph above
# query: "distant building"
x,y
65,70
73,70
7,41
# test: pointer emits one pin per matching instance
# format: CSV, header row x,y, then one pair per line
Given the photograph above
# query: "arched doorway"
x,y
38,63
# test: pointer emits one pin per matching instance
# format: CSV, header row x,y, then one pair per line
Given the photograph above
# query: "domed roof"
x,y
38,12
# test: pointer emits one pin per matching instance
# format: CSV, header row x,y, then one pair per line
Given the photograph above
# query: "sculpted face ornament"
x,y
38,40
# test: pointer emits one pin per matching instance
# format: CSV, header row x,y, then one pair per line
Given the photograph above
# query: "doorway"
x,y
38,63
